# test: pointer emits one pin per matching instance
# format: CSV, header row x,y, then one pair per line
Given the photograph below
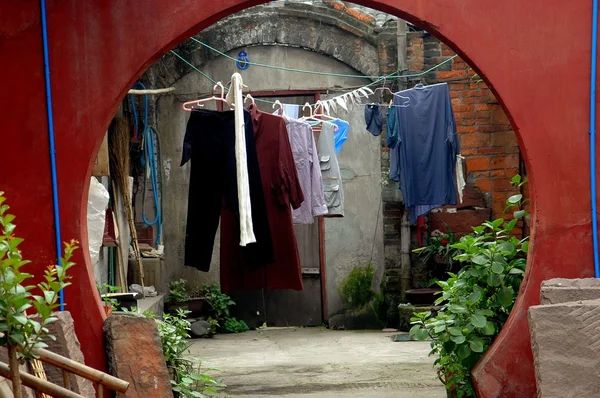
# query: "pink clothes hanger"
x,y
200,102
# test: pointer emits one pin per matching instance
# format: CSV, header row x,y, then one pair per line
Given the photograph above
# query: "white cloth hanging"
x,y
234,97
460,177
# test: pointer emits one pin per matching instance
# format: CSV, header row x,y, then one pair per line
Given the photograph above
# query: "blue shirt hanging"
x,y
341,134
428,148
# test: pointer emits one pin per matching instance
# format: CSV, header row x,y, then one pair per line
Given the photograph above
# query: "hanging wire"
x,y
378,79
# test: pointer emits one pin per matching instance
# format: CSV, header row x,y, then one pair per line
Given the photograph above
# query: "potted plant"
x,y
439,249
180,297
109,303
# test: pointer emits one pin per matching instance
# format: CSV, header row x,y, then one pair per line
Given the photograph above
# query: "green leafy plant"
x,y
19,332
219,302
475,302
441,246
187,373
177,292
109,302
232,325
356,290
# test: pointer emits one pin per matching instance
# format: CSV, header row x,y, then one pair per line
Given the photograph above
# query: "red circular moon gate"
x,y
98,48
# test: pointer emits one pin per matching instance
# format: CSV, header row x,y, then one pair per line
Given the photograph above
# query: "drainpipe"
x,y
51,141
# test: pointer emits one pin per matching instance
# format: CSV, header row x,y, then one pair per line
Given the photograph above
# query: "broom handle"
x,y
134,241
120,264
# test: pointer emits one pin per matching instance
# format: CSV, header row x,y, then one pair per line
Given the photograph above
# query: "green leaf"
x,y
421,334
457,309
488,329
497,268
516,180
458,339
480,259
476,344
525,247
476,295
463,351
478,230
506,296
22,319
513,200
478,321
494,279
454,331
497,222
519,214
516,271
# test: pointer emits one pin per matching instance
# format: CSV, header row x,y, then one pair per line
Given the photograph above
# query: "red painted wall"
x,y
99,47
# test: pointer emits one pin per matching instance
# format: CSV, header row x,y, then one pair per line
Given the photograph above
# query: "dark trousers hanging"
x,y
210,143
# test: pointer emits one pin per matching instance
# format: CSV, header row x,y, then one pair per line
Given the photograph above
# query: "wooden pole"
x,y
404,254
154,91
37,384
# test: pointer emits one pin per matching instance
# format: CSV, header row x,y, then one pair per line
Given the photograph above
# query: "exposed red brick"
x,y
484,184
466,129
459,222
450,74
502,185
490,151
504,139
497,173
338,5
499,117
482,107
467,152
360,15
462,108
478,163
504,162
472,197
475,140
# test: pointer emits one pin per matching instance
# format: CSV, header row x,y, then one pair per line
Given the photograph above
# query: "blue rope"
x,y
148,160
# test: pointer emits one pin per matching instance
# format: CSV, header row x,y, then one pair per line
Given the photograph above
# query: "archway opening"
x,y
491,150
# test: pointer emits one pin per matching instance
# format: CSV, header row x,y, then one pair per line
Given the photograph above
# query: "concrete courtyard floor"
x,y
317,362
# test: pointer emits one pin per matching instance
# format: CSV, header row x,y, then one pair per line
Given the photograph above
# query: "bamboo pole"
x,y
152,91
37,384
82,370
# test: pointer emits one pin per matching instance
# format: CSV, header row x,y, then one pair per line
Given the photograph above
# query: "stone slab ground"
x,y
317,362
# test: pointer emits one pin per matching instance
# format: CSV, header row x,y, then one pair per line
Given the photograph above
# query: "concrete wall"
x,y
350,240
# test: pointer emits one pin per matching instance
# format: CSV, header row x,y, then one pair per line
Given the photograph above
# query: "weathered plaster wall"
x,y
350,241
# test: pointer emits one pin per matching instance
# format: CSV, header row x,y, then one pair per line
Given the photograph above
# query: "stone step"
x,y
155,304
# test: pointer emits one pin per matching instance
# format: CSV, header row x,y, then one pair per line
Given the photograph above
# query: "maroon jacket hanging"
x,y
282,191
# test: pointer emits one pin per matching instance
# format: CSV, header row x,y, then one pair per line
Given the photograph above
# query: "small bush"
x,y
233,325
356,290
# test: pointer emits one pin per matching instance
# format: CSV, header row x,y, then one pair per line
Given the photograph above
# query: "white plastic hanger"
x,y
201,102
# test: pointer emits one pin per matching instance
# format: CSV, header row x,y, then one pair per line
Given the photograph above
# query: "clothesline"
x,y
334,100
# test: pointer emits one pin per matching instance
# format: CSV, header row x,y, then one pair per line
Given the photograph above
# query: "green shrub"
x,y
177,292
476,302
233,325
188,379
356,290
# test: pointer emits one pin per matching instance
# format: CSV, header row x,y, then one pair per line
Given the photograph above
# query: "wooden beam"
x,y
39,385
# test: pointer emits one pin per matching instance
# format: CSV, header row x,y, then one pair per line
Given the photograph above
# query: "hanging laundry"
x,y
460,177
374,119
282,192
291,110
429,145
341,134
392,143
234,97
210,143
330,169
304,149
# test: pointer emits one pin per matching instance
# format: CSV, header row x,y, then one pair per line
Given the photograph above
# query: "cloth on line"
x,y
291,110
304,150
374,119
330,171
234,96
391,132
340,134
282,192
210,145
460,178
429,145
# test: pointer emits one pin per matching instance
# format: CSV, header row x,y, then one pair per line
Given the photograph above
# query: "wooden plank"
x,y
38,384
